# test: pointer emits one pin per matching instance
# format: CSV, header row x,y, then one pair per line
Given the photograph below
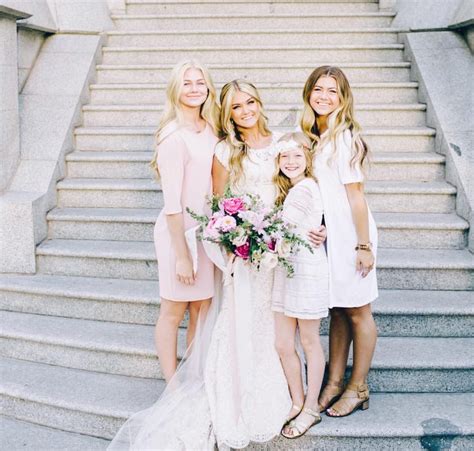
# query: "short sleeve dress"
x,y
306,294
347,288
184,163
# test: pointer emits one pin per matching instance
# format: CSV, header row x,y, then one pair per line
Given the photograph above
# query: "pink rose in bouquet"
x,y
226,223
233,205
243,251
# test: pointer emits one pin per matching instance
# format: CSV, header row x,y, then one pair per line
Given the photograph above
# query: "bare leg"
x,y
364,331
285,331
365,338
340,337
315,361
195,309
166,335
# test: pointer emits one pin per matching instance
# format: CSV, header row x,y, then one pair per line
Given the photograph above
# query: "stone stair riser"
x,y
250,55
59,417
147,366
123,74
298,36
300,8
382,202
426,279
146,269
251,23
138,169
145,141
93,267
281,117
411,202
110,198
143,96
388,325
122,231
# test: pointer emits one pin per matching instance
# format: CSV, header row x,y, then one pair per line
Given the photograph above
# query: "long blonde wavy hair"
x,y
339,120
173,112
230,132
282,182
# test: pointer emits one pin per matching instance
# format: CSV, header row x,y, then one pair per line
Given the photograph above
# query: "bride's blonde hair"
x,y
282,182
339,120
173,112
229,130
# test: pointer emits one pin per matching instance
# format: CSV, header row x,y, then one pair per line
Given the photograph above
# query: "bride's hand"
x,y
184,271
365,262
317,236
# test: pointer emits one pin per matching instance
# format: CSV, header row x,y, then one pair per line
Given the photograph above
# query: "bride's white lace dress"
x,y
231,389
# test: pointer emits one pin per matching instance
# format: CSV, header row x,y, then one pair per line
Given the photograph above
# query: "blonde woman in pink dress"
x,y
183,159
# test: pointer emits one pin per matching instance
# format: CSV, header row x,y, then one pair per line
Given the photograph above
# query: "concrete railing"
x,y
47,63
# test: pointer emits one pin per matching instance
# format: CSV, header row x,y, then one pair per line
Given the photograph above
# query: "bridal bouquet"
x,y
248,229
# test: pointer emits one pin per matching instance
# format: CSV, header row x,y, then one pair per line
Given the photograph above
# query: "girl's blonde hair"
x,y
229,130
339,120
282,182
173,111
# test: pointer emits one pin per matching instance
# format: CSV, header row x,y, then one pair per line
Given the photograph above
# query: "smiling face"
x,y
194,89
292,163
245,110
324,97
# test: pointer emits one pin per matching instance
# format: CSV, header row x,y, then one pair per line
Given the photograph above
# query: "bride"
x,y
230,388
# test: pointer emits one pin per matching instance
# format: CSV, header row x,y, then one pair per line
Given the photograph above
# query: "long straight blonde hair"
x,y
339,120
282,182
173,111
229,130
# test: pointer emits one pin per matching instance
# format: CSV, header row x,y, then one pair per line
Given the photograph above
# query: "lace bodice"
x,y
258,168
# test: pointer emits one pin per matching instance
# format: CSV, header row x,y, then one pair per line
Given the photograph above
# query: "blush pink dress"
x,y
185,163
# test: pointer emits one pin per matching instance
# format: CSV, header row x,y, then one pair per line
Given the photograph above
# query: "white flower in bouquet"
x,y
283,248
269,260
241,237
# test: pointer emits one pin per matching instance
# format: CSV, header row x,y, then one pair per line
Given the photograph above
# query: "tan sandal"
x,y
300,427
289,418
334,390
346,405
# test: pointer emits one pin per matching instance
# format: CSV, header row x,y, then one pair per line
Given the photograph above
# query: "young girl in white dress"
x,y
301,301
340,153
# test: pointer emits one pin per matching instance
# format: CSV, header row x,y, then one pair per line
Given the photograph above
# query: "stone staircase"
x,y
76,342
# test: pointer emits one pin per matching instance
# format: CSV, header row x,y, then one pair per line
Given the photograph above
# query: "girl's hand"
x,y
364,262
184,271
317,236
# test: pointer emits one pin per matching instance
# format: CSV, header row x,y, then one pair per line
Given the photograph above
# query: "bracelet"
x,y
364,247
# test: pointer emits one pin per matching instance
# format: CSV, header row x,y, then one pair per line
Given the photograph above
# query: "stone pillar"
x,y
9,114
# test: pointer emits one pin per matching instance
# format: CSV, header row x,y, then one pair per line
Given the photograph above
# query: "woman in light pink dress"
x,y
183,160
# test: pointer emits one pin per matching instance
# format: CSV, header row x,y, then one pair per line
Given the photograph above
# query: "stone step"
x,y
149,93
357,72
20,435
435,364
242,20
397,230
239,7
369,115
265,36
384,196
380,139
418,269
246,8
397,312
97,404
423,166
253,54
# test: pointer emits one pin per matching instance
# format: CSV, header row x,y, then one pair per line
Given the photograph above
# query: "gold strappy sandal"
x,y
345,406
289,418
300,427
335,389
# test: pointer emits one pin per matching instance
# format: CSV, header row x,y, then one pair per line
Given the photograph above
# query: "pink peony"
x,y
243,251
233,205
226,223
